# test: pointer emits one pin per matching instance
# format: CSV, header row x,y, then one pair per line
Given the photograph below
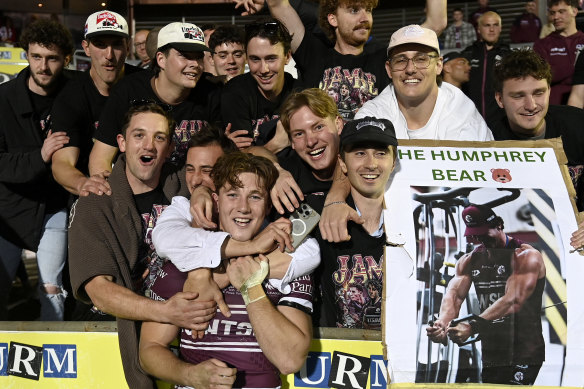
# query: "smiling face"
x,y
316,141
200,162
413,85
147,144
108,54
266,65
242,210
368,169
180,68
229,59
353,24
526,102
140,45
46,64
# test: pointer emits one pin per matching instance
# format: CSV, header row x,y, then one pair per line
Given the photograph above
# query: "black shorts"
x,y
510,375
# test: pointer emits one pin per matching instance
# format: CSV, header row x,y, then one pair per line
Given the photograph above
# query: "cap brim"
x,y
478,230
390,49
188,47
106,33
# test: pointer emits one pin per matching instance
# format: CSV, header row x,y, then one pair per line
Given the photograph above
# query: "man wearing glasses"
x,y
417,103
251,103
140,46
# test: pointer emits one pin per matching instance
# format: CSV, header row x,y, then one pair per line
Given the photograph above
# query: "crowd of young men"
x,y
138,250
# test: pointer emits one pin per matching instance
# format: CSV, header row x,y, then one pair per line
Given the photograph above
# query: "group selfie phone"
x,y
303,219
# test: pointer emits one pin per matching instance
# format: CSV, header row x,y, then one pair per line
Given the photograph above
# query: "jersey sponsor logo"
x,y
24,360
349,88
341,370
501,270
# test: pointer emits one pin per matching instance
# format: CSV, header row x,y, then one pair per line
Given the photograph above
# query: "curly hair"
x,y
229,166
226,34
328,7
520,64
319,102
48,32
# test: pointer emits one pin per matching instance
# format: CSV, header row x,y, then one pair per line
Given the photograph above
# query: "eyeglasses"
x,y
268,27
420,61
139,44
143,102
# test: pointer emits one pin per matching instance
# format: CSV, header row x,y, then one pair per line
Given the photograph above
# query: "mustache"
x,y
366,25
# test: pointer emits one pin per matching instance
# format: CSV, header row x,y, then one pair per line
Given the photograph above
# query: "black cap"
x,y
451,55
368,130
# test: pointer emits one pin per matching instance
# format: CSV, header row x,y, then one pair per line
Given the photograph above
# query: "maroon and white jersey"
x,y
231,339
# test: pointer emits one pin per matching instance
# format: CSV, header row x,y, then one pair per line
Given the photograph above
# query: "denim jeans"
x,y
51,257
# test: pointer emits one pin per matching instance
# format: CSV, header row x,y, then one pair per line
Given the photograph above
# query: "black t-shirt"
x,y
149,205
350,79
42,111
347,271
197,110
76,112
243,105
560,121
303,176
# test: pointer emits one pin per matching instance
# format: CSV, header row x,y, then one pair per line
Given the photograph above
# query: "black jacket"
x,y
480,87
27,188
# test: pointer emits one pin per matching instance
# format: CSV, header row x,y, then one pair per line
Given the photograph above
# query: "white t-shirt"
x,y
455,116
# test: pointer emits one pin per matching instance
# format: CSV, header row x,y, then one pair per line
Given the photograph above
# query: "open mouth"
x,y
370,177
191,76
530,114
265,79
412,81
315,154
147,159
242,222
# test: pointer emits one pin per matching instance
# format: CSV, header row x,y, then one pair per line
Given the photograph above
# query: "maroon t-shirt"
x,y
232,340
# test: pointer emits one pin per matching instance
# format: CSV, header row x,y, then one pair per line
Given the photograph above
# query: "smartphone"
x,y
303,219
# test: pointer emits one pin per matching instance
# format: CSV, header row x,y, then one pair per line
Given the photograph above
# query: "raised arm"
x,y
283,11
101,158
436,16
283,333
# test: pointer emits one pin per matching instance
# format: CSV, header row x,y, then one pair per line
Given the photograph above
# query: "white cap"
x,y
182,37
414,34
106,23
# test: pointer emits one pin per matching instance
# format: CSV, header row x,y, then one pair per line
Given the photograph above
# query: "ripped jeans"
x,y
51,257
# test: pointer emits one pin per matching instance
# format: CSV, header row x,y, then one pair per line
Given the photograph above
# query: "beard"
x,y
45,84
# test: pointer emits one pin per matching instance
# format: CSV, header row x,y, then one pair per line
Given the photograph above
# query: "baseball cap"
x,y
478,219
368,130
451,55
414,34
182,37
106,23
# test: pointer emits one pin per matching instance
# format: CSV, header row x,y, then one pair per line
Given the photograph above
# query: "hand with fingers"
x,y
239,137
250,7
53,142
96,184
334,219
184,310
202,208
275,236
286,193
211,373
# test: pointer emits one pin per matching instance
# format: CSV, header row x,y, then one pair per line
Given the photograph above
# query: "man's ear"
x,y
498,99
439,66
215,197
332,19
121,143
85,45
161,60
339,122
387,68
342,164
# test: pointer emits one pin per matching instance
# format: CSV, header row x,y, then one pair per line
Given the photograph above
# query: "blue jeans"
x,y
51,257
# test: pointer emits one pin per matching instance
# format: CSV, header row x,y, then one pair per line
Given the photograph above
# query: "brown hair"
x,y
520,64
143,106
328,7
319,102
229,166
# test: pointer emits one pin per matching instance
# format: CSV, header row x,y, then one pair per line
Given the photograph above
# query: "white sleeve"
x,y
305,259
188,248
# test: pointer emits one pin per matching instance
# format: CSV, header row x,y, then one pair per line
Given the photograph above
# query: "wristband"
x,y
333,203
474,326
255,279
